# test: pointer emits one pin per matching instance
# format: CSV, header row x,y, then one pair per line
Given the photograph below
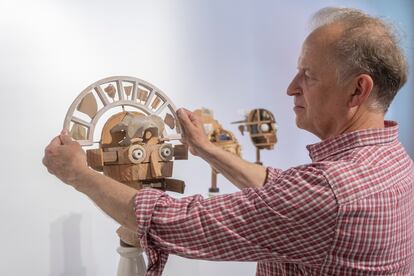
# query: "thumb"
x,y
55,142
65,138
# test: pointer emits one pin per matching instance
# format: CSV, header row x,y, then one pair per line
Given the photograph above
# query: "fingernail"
x,y
64,131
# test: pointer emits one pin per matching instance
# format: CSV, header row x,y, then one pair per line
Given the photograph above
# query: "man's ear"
x,y
362,89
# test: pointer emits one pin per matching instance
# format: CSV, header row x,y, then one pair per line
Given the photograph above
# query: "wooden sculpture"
x,y
135,145
261,125
221,138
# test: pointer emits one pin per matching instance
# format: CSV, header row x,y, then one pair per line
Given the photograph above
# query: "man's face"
x,y
320,103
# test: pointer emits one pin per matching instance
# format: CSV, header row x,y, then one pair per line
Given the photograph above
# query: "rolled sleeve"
x,y
145,202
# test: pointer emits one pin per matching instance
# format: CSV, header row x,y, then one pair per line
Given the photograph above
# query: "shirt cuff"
x,y
145,202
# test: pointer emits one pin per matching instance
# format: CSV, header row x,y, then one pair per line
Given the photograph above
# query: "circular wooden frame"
x,y
142,105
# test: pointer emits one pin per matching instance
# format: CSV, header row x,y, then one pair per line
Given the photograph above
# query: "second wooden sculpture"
x,y
222,138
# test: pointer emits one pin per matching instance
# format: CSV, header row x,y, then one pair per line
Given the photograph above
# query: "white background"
x,y
221,54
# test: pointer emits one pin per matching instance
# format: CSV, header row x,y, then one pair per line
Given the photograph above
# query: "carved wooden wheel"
x,y
118,92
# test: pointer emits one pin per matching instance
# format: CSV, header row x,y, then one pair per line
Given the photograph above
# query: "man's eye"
x,y
309,77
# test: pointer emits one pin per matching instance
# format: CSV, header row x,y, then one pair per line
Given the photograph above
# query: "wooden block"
x,y
141,172
122,154
180,152
128,90
88,105
95,159
110,156
142,95
155,165
110,90
174,185
78,132
169,120
155,103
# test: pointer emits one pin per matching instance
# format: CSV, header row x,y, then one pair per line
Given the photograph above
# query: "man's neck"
x,y
365,119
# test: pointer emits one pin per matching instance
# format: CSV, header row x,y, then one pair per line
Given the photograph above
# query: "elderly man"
x,y
346,213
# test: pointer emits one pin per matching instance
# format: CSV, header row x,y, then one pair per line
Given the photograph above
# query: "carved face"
x,y
153,156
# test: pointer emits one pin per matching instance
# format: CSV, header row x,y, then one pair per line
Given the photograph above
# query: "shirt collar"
x,y
347,141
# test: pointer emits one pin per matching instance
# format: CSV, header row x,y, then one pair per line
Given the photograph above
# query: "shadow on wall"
x,y
65,247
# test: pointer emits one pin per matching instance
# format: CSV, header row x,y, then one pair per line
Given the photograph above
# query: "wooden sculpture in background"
x,y
134,146
220,137
261,125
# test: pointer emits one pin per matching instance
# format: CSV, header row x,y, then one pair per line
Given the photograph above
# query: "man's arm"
x,y
66,159
241,173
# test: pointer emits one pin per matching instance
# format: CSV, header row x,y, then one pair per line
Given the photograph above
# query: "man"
x,y
346,213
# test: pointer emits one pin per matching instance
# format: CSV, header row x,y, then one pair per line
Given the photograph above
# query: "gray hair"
x,y
367,45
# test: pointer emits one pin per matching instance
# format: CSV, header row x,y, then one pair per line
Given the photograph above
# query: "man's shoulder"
x,y
367,172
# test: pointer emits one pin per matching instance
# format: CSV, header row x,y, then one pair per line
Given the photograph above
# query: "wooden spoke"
x,y
120,89
80,121
101,95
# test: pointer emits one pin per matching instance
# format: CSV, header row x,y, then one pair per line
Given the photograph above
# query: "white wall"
x,y
225,55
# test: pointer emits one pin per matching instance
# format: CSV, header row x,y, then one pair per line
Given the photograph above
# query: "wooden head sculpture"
x,y
261,125
222,138
135,145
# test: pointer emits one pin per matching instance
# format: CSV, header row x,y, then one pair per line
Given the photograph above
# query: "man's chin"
x,y
299,123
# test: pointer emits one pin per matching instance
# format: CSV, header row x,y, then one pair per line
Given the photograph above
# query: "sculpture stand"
x,y
258,157
132,262
213,190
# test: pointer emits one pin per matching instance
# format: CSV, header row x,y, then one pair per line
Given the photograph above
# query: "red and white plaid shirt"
x,y
346,213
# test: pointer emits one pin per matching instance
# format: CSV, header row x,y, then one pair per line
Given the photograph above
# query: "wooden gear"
x,y
222,138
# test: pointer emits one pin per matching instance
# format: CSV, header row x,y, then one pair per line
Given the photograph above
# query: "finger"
x,y
195,118
65,138
44,161
183,117
55,142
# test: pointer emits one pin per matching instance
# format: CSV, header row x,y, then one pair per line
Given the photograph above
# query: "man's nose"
x,y
294,87
155,166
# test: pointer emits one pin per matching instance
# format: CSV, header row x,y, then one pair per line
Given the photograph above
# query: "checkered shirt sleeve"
x,y
290,219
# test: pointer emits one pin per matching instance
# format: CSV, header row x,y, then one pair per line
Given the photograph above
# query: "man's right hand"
x,y
193,132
